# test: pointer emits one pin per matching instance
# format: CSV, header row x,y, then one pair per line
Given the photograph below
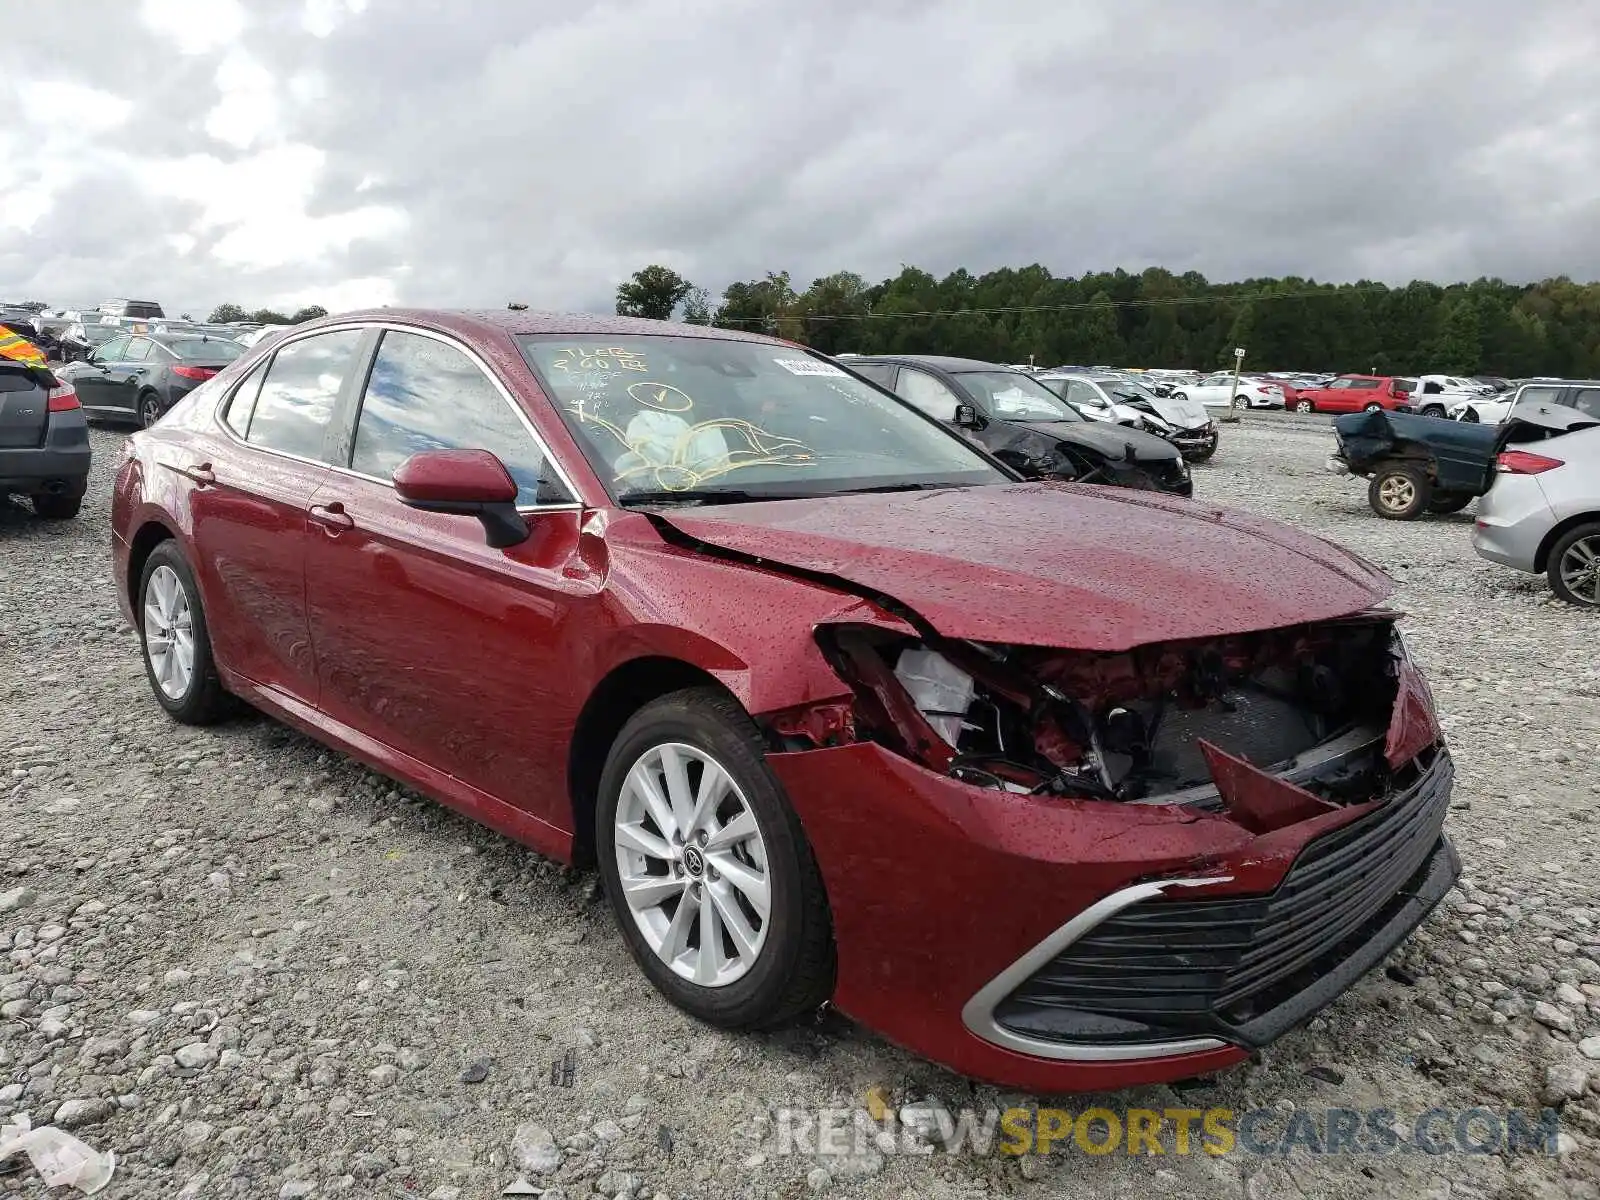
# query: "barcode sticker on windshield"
x,y
810,366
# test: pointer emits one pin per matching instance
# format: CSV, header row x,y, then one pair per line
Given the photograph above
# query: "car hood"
x,y
1051,564
1105,437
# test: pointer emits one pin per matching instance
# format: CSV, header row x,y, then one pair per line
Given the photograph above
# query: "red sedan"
x,y
1354,393
1062,786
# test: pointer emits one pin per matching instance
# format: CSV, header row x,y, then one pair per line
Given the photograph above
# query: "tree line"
x,y
1158,319
225,313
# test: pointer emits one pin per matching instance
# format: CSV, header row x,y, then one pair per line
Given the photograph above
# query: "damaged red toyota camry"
x,y
1063,786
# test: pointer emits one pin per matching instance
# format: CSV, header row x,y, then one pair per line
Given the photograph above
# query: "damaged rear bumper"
x,y
1062,945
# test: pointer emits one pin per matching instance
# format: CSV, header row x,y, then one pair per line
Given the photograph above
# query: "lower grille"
x,y
1239,968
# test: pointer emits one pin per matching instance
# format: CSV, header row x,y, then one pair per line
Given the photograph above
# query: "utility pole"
x,y
1232,415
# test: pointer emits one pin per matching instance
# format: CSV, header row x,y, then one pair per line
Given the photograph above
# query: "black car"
x,y
137,377
1026,426
44,440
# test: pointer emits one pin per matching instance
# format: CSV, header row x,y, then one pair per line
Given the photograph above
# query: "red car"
x,y
1063,786
1354,393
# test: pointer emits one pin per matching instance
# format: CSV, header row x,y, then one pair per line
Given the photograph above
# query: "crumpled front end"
x,y
1063,870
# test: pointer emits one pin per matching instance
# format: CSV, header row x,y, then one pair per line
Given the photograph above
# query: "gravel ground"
x,y
253,968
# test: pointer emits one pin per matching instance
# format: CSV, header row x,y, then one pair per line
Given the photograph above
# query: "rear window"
x,y
199,348
1405,385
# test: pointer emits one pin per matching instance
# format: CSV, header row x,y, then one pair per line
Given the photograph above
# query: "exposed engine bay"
x,y
1310,703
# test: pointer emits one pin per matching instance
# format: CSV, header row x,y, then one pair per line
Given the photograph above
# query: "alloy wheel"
x,y
149,411
1397,493
1580,569
169,632
692,864
1303,406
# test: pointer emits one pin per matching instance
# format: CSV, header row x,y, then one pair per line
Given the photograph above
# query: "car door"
x,y
427,639
123,380
255,474
92,379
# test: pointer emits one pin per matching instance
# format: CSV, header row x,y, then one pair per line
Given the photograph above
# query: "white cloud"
x,y
194,26
93,111
372,292
322,17
248,110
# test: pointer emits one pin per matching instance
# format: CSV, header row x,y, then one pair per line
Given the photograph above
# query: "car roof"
x,y
524,322
942,361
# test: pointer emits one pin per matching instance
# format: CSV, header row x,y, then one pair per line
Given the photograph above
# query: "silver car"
x,y
1542,513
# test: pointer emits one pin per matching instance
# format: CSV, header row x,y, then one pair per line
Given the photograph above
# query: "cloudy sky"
x,y
467,152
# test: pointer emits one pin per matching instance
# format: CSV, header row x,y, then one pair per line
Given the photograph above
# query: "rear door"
x,y
124,380
24,407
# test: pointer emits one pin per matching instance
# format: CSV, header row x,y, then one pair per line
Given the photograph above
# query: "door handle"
x,y
332,516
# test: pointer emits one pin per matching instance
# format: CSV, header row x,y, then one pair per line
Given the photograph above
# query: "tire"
x,y
1241,402
1447,503
1180,396
149,409
1399,491
201,700
1434,410
1304,406
1470,416
1373,407
791,970
1574,567
57,508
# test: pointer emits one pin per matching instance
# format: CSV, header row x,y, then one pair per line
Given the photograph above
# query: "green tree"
x,y
697,306
309,313
269,316
653,292
1459,349
761,306
832,309
223,313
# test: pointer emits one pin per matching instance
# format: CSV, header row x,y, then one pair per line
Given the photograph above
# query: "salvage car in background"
x,y
1541,514
1062,787
1438,395
1415,464
1217,391
138,377
1356,393
1184,423
1025,425
44,441
1492,408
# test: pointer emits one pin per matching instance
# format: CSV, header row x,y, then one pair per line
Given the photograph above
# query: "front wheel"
x,y
1574,570
1433,410
177,647
1304,406
1400,491
1180,396
707,869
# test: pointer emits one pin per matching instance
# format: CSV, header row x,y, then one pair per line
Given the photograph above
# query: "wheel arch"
x,y
1541,560
143,543
628,688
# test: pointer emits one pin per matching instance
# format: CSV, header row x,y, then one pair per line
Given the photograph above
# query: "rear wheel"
x,y
177,647
709,875
1574,570
57,508
1241,402
1448,503
1400,491
1304,406
1180,396
149,409
1373,407
1433,410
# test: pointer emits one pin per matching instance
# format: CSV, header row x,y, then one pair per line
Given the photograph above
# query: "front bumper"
x,y
1195,441
948,898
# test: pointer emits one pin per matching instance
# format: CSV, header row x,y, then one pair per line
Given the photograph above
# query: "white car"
x,y
1184,423
1493,408
1442,395
1216,391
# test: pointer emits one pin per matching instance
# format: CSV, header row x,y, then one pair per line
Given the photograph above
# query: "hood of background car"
x,y
1104,437
1185,414
1052,564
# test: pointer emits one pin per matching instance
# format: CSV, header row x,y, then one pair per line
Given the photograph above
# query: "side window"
x,y
881,374
1586,400
927,393
298,394
424,394
138,350
1365,385
1080,391
112,351
243,402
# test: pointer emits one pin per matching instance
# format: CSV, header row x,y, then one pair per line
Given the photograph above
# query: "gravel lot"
x,y
253,968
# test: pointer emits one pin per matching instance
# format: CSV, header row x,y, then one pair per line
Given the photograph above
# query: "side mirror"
x,y
967,417
473,483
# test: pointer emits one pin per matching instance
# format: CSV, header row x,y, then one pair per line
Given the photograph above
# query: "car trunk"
x,y
24,407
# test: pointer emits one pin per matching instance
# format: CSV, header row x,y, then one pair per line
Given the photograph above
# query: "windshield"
x,y
205,348
1127,389
1013,396
744,420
